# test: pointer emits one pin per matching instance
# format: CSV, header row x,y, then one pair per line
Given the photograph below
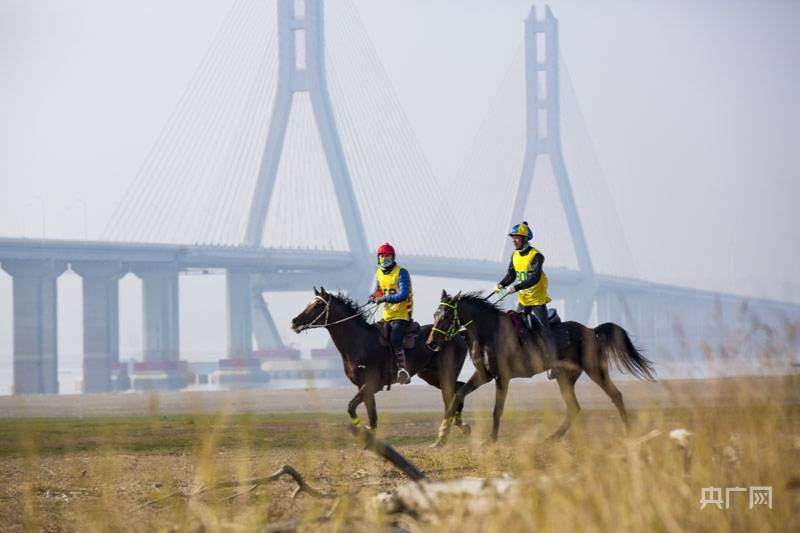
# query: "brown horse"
x,y
498,355
368,363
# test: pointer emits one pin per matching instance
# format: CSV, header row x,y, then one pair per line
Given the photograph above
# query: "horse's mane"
x,y
352,305
488,327
476,299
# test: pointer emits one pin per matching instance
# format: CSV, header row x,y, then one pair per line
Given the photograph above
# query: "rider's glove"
x,y
511,289
380,299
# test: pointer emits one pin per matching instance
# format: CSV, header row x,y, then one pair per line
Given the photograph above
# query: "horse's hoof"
x,y
553,439
465,429
439,443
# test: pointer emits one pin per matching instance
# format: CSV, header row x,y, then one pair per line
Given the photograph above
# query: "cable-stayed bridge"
x,y
288,158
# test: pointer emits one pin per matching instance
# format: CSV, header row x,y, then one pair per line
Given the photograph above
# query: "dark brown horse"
x,y
367,361
498,355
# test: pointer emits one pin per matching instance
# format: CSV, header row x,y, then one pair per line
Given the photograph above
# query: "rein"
x,y
326,312
456,326
503,297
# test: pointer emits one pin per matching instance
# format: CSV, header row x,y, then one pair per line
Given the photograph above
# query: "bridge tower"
x,y
543,138
301,68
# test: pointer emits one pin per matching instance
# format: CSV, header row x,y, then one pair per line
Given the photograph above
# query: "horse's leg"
x,y
566,383
353,405
457,403
449,384
601,377
595,363
372,411
448,395
465,429
501,390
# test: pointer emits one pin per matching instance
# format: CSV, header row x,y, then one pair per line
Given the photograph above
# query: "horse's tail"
x,y
616,344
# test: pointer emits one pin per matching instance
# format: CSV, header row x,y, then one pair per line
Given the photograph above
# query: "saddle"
x,y
557,329
413,331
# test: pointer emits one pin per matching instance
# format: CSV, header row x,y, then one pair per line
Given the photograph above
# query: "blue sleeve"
x,y
404,288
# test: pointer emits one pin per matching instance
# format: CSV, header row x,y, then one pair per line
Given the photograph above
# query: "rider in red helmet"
x,y
393,290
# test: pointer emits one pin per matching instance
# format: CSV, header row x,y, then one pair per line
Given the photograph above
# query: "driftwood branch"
x,y
252,483
363,436
375,445
235,495
288,470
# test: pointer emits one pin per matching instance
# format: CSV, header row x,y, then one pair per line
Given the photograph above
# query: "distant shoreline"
x,y
524,395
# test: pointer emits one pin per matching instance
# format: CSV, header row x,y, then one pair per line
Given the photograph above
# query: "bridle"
x,y
456,326
326,312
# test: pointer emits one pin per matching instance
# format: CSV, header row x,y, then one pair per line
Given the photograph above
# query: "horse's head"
x,y
445,321
314,313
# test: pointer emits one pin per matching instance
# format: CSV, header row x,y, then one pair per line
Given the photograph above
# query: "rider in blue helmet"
x,y
526,277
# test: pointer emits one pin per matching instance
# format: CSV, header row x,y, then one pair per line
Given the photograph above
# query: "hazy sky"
x,y
692,107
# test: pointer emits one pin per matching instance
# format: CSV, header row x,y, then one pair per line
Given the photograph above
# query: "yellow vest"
x,y
536,295
389,285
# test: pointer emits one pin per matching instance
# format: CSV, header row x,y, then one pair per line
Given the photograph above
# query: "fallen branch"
x,y
251,488
302,486
364,436
371,443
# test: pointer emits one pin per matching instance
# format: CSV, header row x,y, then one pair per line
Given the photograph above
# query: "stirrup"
x,y
403,377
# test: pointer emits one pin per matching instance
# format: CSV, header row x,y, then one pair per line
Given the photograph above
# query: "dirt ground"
x,y
130,461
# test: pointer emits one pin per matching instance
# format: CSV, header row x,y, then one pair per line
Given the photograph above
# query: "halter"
x,y
326,312
456,326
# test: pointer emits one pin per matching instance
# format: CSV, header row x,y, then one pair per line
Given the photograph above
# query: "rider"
x,y
393,289
526,277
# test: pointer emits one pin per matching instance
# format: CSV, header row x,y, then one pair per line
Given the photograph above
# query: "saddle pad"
x,y
517,323
559,332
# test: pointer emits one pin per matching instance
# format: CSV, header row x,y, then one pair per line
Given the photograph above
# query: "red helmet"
x,y
385,249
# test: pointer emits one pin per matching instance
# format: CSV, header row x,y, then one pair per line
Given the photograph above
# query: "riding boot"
x,y
551,351
403,377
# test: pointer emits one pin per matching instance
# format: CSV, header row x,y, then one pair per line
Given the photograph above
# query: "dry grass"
x,y
99,473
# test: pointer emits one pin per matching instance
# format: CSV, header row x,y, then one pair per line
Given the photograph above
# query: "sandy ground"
x,y
524,395
60,476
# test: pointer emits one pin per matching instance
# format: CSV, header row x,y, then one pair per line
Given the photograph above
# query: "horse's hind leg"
x,y
353,405
501,390
601,377
372,410
566,384
465,429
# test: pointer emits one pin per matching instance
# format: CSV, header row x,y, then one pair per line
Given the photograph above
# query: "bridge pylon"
x,y
543,138
301,27
301,69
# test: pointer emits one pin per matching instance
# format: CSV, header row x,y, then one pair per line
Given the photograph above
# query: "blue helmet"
x,y
521,230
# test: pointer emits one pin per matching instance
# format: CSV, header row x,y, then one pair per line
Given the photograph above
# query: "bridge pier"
x,y
35,324
240,368
160,313
161,367
240,314
100,322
